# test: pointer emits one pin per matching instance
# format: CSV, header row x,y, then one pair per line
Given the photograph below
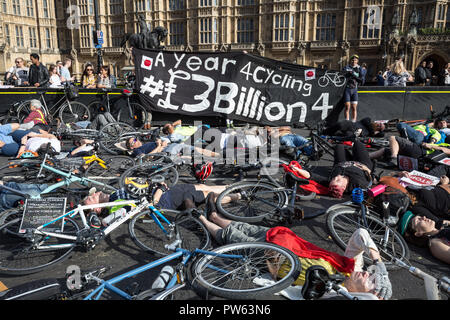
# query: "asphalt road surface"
x,y
119,252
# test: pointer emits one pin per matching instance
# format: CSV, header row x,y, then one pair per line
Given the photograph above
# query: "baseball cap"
x,y
354,56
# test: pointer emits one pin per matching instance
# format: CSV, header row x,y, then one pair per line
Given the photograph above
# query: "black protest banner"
x,y
237,86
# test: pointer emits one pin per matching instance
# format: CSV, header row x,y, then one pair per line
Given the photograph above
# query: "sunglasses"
x,y
133,142
90,69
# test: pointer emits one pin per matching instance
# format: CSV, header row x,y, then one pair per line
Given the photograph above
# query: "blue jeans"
x,y
9,200
11,149
413,135
294,140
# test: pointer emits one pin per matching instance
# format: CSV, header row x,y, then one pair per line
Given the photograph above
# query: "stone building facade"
x,y
319,33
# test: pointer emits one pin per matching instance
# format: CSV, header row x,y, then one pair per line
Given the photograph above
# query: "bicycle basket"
x,y
71,92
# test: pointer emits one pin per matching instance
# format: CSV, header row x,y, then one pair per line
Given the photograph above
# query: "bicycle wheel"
x,y
115,166
25,171
343,220
23,110
272,169
20,256
250,201
244,276
149,236
135,115
74,111
110,136
137,180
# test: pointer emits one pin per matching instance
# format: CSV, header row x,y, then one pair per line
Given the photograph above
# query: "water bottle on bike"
x,y
163,278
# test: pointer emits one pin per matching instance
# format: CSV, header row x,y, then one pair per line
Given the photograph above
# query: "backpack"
x,y
399,203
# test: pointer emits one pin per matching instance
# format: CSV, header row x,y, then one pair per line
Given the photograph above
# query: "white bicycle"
x,y
335,77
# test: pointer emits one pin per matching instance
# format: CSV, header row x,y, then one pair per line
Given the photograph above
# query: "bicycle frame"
x,y
361,218
141,205
432,284
55,107
69,178
171,286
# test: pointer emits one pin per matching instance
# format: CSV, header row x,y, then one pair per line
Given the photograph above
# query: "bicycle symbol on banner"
x,y
337,79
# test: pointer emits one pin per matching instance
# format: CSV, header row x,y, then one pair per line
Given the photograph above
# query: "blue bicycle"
x,y
248,270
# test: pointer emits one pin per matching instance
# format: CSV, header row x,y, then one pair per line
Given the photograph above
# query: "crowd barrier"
x,y
407,103
379,103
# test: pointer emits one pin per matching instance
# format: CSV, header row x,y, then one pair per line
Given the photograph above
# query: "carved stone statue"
x,y
413,22
395,20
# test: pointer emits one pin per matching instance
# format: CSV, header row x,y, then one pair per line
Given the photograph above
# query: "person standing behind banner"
x,y
429,73
420,75
444,76
398,76
363,73
55,80
38,75
18,75
354,78
379,78
64,71
88,79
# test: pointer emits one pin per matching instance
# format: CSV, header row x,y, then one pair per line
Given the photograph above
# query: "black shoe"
x,y
94,221
210,205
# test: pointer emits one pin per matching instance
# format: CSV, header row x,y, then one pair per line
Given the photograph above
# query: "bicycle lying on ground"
x,y
228,271
61,172
265,199
391,125
29,244
344,218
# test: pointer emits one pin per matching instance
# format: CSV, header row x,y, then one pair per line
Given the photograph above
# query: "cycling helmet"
x,y
203,171
28,154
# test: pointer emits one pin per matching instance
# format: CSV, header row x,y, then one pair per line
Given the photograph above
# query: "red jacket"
x,y
286,238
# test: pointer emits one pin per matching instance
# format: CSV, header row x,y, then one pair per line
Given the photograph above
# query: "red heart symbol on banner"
x,y
310,73
147,63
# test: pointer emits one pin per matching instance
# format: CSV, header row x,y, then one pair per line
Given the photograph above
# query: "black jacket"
x,y
420,75
38,74
354,76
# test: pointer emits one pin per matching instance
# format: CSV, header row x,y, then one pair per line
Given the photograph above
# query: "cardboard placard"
x,y
445,161
38,212
420,179
407,163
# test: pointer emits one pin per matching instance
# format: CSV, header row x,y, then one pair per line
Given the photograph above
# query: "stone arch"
x,y
438,57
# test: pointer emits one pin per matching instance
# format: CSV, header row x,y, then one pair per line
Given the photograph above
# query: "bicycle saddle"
x,y
318,281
